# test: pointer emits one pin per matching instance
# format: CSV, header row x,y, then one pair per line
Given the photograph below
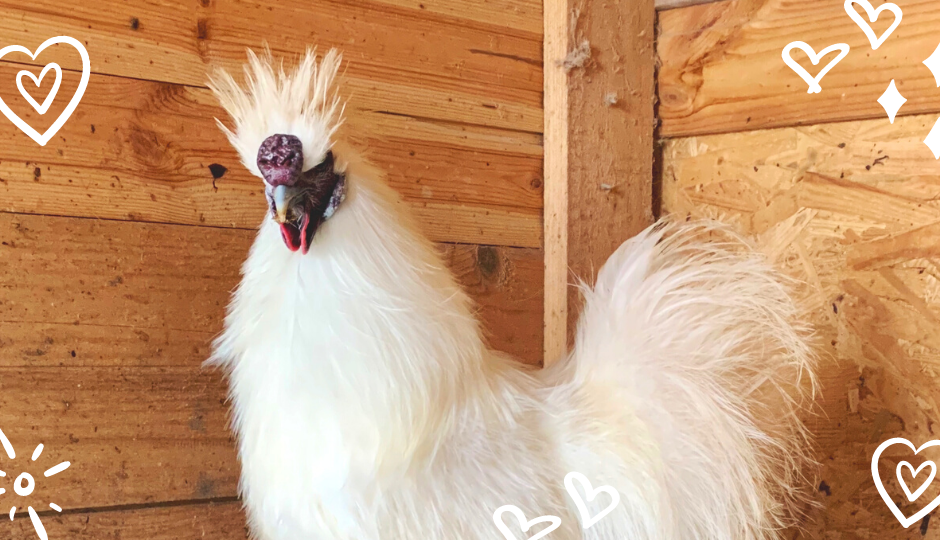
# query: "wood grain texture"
x,y
141,151
132,435
119,245
607,194
219,521
104,326
851,210
91,293
722,69
506,284
555,212
673,4
524,15
404,60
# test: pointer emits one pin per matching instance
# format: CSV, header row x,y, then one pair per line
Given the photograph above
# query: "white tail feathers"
x,y
699,336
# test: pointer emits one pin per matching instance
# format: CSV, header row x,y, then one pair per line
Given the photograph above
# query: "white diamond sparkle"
x,y
892,100
933,64
933,140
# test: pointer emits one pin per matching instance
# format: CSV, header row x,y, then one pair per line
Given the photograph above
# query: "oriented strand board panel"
x,y
722,69
852,211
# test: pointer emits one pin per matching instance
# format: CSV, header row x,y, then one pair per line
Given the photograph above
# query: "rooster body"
x,y
368,407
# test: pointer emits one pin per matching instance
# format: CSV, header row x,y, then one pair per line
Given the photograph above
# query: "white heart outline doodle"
x,y
872,17
586,520
67,112
905,522
813,83
41,109
920,491
526,525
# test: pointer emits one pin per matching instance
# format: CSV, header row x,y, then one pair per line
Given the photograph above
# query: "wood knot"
x,y
488,261
202,29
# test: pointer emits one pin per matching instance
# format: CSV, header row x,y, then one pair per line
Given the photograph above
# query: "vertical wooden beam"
x,y
599,66
555,182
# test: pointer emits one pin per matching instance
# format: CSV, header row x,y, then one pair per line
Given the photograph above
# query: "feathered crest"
x,y
272,101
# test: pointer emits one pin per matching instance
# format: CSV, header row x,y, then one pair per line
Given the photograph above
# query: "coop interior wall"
x,y
121,239
837,196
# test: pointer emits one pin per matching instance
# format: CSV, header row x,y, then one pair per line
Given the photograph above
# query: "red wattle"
x,y
290,239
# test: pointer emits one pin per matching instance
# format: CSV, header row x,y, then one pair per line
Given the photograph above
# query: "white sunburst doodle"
x,y
25,484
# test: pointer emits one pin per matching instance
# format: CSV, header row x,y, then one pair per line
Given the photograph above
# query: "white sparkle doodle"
x,y
25,484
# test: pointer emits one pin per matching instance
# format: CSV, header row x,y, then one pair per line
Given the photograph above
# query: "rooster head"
x,y
284,128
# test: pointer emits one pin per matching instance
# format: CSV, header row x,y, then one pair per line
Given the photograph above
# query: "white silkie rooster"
x,y
368,407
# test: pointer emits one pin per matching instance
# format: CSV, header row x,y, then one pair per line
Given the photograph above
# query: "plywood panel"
x,y
138,150
220,521
81,292
722,70
851,210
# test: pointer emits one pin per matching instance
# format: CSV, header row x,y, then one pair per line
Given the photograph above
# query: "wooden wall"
x,y
121,239
836,195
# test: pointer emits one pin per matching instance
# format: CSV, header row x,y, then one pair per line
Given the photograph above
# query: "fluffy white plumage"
x,y
367,406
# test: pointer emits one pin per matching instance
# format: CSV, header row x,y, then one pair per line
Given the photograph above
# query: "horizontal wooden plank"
x,y
408,61
673,4
506,285
92,293
132,435
138,150
103,329
523,15
219,521
722,70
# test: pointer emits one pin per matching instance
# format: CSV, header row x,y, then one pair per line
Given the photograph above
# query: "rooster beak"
x,y
281,203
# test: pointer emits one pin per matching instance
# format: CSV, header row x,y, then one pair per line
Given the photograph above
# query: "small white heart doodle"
x,y
905,521
872,17
920,491
554,521
814,57
41,109
587,521
43,138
